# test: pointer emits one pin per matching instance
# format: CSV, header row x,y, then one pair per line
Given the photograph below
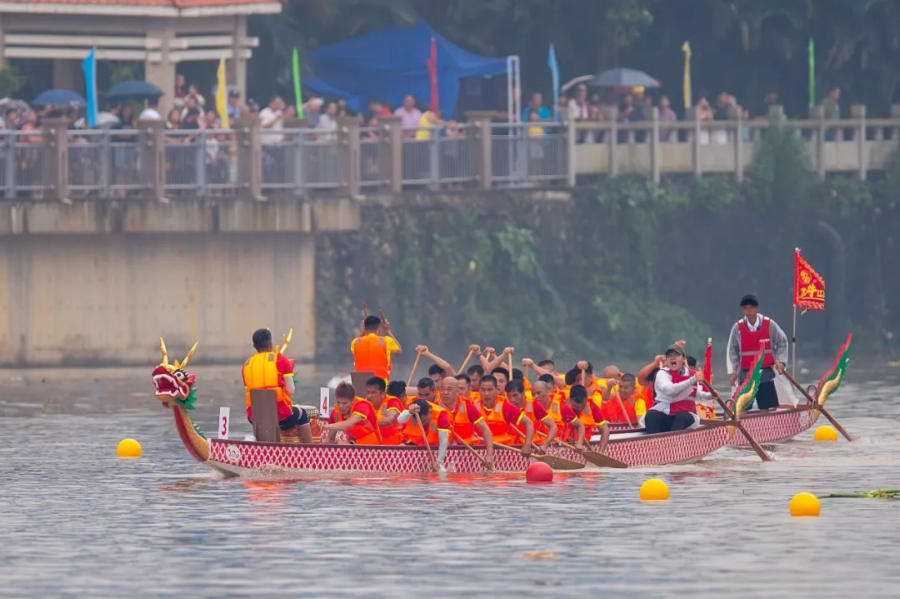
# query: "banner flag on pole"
x,y
89,66
432,75
554,72
298,95
222,94
686,83
809,286
707,362
812,73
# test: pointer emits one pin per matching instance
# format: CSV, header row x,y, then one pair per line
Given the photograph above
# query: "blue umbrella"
x,y
623,78
132,90
59,97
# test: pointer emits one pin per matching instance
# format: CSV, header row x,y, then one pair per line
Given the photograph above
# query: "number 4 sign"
x,y
224,422
324,400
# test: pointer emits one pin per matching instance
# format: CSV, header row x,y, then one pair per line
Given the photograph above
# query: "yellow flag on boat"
x,y
222,94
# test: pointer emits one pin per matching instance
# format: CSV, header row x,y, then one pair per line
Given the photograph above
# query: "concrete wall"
x,y
69,299
101,281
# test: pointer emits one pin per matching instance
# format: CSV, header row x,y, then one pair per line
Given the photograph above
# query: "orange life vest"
x,y
260,372
370,355
541,430
587,419
500,431
366,432
390,434
613,412
413,435
461,423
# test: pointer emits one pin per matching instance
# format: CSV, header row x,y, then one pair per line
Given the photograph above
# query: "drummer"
x,y
676,391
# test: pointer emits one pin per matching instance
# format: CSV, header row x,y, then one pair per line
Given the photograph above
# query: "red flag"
x,y
809,286
707,362
432,74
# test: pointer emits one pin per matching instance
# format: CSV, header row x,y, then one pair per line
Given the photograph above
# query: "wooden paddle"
x,y
595,457
434,462
821,408
509,356
413,371
622,407
465,362
484,460
553,461
734,421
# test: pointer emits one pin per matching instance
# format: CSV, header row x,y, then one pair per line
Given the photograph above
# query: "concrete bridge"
x,y
110,238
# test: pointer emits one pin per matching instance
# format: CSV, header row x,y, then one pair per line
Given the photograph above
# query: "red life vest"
x,y
613,412
750,344
685,405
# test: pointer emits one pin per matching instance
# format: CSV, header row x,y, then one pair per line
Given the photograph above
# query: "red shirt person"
x,y
502,417
353,415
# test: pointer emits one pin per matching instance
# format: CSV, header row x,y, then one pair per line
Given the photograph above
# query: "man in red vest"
x,y
743,345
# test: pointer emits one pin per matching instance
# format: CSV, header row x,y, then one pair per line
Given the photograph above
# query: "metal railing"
x,y
149,161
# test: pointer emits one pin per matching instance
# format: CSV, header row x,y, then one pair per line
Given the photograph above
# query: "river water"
x,y
78,522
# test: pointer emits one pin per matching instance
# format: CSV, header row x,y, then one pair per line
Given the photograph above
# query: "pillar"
x,y
612,140
162,73
57,158
393,137
569,120
858,113
67,75
249,139
239,64
481,120
152,157
690,114
737,114
654,145
817,113
349,137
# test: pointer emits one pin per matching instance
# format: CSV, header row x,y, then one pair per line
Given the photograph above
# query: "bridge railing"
x,y
149,161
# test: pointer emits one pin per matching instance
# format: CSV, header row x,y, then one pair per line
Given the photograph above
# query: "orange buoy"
x,y
539,472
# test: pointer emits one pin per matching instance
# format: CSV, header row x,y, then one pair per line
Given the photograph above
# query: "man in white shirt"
x,y
151,111
676,393
271,119
743,346
409,115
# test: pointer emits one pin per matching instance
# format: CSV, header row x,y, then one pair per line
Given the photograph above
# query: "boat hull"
x,y
775,427
248,458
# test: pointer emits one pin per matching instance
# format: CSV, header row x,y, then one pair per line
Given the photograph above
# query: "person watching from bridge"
x,y
371,351
268,369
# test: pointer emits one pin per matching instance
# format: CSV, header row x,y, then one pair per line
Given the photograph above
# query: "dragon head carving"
x,y
172,382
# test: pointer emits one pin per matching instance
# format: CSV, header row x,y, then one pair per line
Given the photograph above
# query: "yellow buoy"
x,y
654,489
128,448
805,504
826,432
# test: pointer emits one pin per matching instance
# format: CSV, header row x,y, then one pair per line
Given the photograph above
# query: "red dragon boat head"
x,y
172,382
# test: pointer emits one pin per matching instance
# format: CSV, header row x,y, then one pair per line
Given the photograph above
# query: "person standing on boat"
x,y
268,369
743,345
371,351
675,388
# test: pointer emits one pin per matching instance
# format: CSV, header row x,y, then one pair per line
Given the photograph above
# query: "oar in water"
x,y
434,462
737,423
595,457
553,461
484,460
821,408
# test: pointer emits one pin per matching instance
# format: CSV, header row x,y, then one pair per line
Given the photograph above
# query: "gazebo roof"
x,y
156,8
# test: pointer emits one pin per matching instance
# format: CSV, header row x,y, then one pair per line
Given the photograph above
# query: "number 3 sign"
x,y
224,422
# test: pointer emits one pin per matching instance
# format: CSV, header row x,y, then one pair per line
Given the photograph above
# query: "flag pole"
x,y
794,345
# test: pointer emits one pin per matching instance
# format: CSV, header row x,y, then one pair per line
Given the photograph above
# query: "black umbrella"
x,y
132,90
623,78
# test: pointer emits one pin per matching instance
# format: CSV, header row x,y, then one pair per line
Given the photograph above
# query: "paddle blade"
x,y
558,463
598,459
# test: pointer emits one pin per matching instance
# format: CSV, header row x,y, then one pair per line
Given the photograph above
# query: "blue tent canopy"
x,y
390,63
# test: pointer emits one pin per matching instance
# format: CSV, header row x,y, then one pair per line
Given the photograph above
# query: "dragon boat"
x,y
787,421
174,387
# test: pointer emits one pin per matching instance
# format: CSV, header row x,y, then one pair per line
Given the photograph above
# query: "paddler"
x,y
632,400
465,417
387,409
675,393
353,415
583,418
537,409
501,416
743,346
371,351
439,369
435,422
268,369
